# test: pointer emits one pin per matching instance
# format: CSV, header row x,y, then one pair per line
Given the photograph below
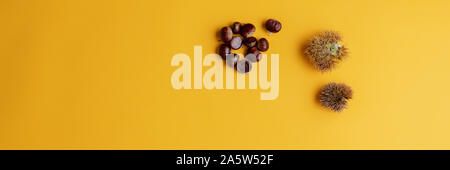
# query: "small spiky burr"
x,y
325,50
334,96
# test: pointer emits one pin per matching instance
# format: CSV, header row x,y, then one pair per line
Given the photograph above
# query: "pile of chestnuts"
x,y
238,35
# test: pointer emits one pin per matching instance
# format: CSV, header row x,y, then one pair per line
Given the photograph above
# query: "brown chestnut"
x,y
247,30
224,50
236,27
236,42
250,41
226,34
263,44
273,25
243,66
232,59
253,55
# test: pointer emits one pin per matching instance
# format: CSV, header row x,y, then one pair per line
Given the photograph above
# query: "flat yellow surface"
x,y
95,74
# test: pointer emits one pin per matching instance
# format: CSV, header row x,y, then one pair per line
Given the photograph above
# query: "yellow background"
x,y
95,74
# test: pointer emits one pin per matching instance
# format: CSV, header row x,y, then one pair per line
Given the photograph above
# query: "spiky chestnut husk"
x,y
335,96
325,50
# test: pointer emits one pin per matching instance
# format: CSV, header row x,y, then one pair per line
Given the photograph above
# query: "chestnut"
x,y
236,27
243,66
263,44
247,30
224,50
236,42
232,59
273,25
250,41
226,34
253,55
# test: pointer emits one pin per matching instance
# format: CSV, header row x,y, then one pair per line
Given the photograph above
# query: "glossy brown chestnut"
x,y
247,30
236,27
250,41
232,59
236,42
243,66
273,25
253,55
263,44
224,50
226,34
